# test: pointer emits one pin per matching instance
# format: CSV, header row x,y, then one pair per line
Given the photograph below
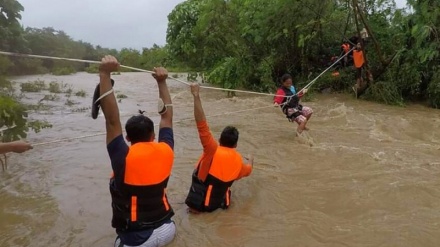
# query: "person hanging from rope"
x,y
15,147
288,100
141,211
218,167
359,64
358,58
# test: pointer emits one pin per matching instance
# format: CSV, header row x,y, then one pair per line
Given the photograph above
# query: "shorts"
x,y
305,112
161,236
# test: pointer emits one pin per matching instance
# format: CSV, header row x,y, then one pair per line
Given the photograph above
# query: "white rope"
x,y
176,79
179,121
103,95
314,80
184,82
132,68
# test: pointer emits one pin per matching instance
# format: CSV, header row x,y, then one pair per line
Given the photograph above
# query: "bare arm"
x,y
208,142
199,114
16,147
166,119
108,103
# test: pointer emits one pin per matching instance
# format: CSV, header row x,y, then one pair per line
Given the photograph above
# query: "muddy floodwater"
x,y
365,174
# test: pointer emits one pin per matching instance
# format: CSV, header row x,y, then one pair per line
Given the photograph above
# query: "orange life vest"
x,y
358,58
142,203
215,191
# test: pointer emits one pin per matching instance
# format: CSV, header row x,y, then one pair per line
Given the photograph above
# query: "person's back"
x,y
358,58
141,211
218,167
145,177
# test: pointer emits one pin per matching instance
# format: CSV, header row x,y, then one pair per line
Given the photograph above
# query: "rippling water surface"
x,y
364,175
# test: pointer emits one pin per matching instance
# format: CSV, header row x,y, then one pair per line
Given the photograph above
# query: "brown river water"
x,y
364,175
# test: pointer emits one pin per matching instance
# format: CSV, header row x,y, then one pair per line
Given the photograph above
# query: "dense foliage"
x,y
250,44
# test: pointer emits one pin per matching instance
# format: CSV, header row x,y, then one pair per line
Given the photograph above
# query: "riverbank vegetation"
x,y
248,44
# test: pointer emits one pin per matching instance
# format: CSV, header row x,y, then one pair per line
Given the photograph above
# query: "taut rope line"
x,y
184,82
128,67
176,79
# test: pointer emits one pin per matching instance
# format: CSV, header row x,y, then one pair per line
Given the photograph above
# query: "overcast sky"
x,y
109,23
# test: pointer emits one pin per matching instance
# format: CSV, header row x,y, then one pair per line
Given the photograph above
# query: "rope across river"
x,y
176,79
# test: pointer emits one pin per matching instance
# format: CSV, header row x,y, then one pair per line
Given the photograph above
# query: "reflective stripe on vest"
x,y
215,192
142,202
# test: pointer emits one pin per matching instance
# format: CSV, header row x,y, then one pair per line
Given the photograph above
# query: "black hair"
x,y
229,137
285,77
139,129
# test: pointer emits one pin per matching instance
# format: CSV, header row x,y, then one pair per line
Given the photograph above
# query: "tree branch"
x,y
363,19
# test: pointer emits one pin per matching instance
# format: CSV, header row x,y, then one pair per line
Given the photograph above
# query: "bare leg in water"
x,y
301,126
307,117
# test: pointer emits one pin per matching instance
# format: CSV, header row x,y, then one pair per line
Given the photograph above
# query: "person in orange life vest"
x,y
15,146
141,211
345,48
359,62
293,110
218,167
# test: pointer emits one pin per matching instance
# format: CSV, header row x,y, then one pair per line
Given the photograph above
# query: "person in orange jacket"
x,y
346,49
359,64
218,167
141,211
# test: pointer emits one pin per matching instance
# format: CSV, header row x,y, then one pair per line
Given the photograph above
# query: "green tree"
x,y
14,123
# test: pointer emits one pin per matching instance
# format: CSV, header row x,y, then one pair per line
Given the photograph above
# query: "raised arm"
x,y
208,142
199,114
108,103
166,118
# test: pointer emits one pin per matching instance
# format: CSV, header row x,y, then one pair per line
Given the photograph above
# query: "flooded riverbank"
x,y
365,175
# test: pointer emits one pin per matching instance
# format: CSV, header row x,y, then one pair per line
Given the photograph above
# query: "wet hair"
x,y
285,77
229,137
139,128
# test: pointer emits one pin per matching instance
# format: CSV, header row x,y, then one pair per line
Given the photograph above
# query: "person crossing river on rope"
x,y
290,105
141,211
218,167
